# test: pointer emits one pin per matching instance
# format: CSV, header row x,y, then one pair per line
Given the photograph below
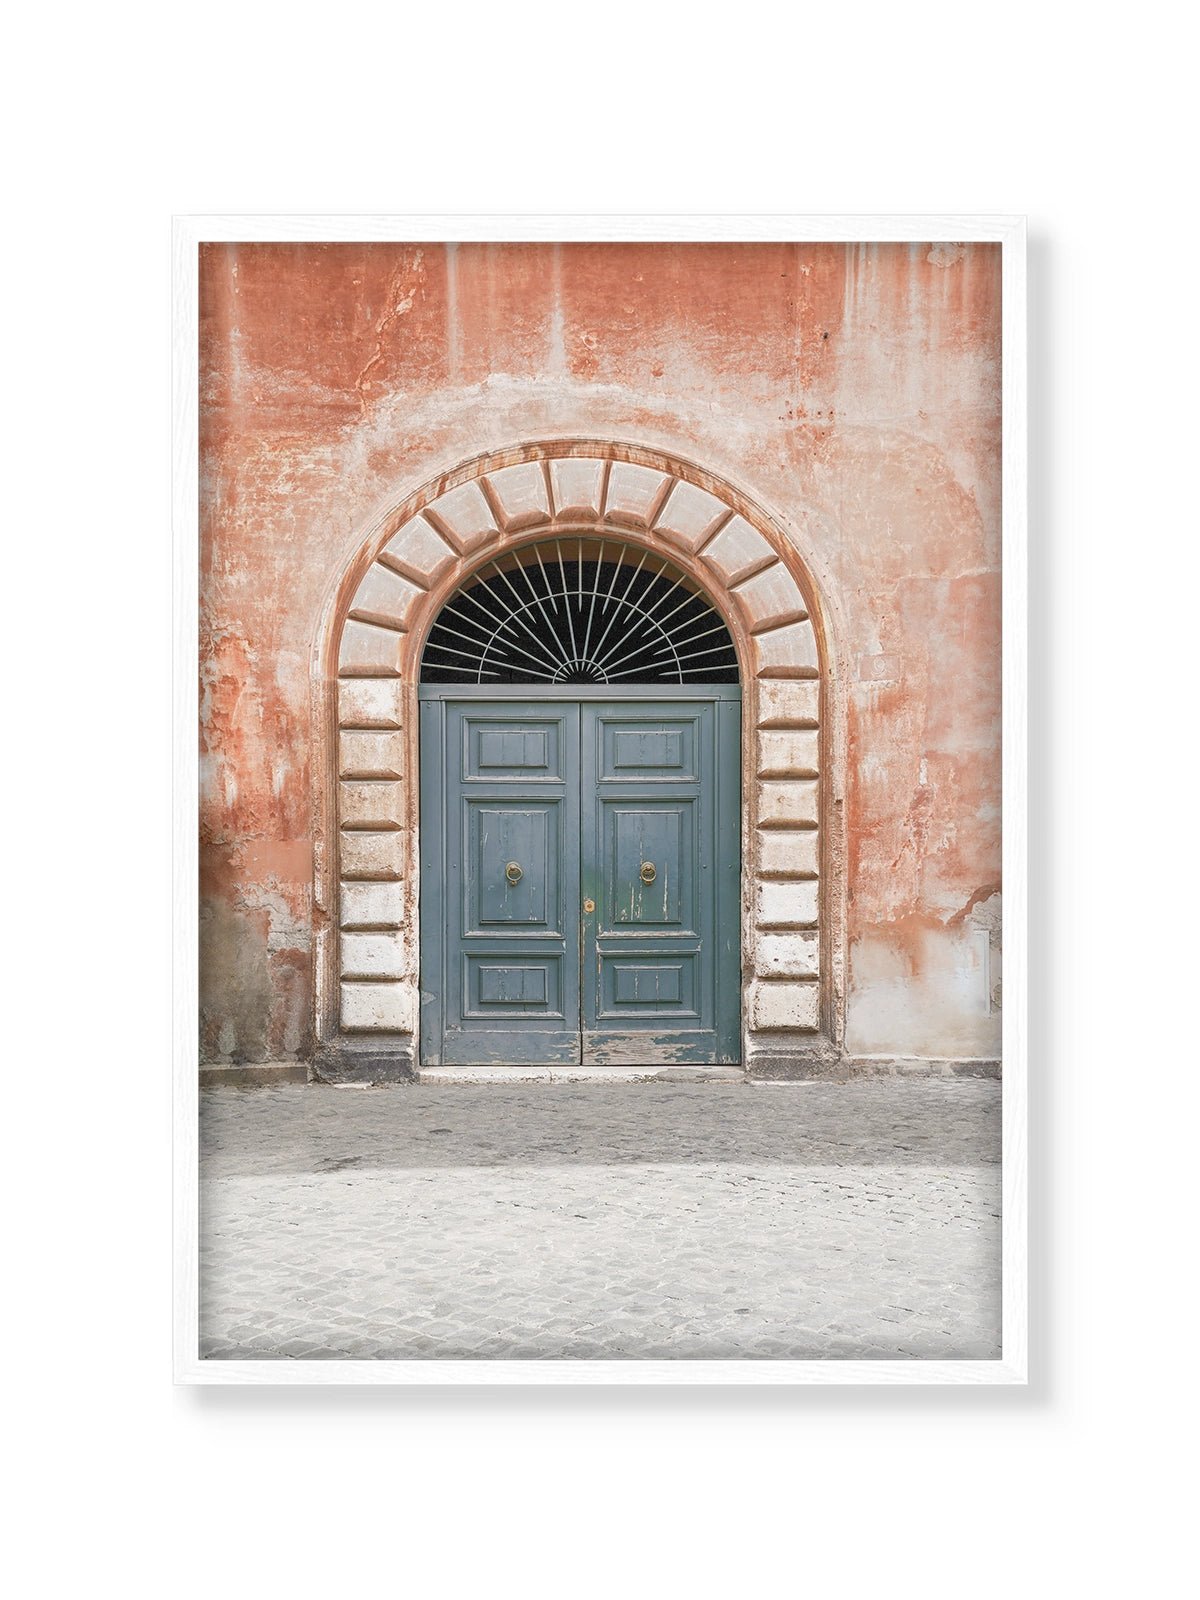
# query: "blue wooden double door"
x,y
580,876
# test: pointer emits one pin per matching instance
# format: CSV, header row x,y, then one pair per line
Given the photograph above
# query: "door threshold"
x,y
582,1074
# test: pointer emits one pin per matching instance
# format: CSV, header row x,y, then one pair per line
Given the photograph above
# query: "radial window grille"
x,y
579,611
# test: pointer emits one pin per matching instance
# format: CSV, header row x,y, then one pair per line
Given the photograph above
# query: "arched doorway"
x,y
581,839
471,525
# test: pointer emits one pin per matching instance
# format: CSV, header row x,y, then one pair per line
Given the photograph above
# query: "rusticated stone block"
x,y
383,597
689,516
464,516
633,493
784,803
788,905
370,755
784,1006
370,805
789,702
520,494
372,955
578,486
372,905
419,551
787,652
788,753
377,1007
370,652
371,855
787,955
737,551
771,598
784,853
370,703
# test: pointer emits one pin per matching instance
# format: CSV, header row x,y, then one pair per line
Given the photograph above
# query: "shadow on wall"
x,y
254,996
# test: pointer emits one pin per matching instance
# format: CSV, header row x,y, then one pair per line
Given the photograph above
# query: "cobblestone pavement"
x,y
643,1220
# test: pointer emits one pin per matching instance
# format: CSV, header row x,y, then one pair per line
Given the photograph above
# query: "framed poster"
x,y
611,761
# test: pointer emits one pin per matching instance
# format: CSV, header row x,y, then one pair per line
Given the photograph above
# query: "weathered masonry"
x,y
660,577
705,800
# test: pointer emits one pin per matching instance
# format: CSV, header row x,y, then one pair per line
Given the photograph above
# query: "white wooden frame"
x,y
189,233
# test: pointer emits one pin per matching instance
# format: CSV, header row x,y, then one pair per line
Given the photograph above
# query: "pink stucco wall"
x,y
852,390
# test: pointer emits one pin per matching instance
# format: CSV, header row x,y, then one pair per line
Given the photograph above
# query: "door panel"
x,y
660,849
514,851
500,890
648,851
580,862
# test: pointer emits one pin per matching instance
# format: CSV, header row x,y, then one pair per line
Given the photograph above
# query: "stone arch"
x,y
367,989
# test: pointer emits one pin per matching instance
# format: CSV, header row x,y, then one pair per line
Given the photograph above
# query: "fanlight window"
x,y
579,611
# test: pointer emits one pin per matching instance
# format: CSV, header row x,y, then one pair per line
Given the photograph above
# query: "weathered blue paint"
x,y
580,876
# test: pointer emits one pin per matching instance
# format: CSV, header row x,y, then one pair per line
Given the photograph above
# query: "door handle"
x,y
649,872
589,906
513,872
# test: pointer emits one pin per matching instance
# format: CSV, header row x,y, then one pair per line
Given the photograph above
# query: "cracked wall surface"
x,y
851,390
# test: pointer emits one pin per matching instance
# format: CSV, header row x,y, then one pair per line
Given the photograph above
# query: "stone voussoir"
x,y
633,494
519,496
384,597
418,551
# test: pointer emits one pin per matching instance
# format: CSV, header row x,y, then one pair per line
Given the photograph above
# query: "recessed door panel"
x,y
636,986
498,986
649,851
639,751
529,749
514,850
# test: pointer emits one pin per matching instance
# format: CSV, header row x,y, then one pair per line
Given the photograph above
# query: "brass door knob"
x,y
513,872
648,872
589,906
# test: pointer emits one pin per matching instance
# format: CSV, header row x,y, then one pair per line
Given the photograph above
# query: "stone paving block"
x,y
789,852
370,703
788,702
787,803
370,804
371,855
372,955
370,755
372,905
788,753
787,955
782,904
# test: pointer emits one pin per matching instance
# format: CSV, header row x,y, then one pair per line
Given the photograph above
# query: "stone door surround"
x,y
368,956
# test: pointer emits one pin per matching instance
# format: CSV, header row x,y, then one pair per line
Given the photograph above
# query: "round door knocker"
x,y
513,872
648,872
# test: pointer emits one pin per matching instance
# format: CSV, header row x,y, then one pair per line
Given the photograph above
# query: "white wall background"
x,y
119,117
